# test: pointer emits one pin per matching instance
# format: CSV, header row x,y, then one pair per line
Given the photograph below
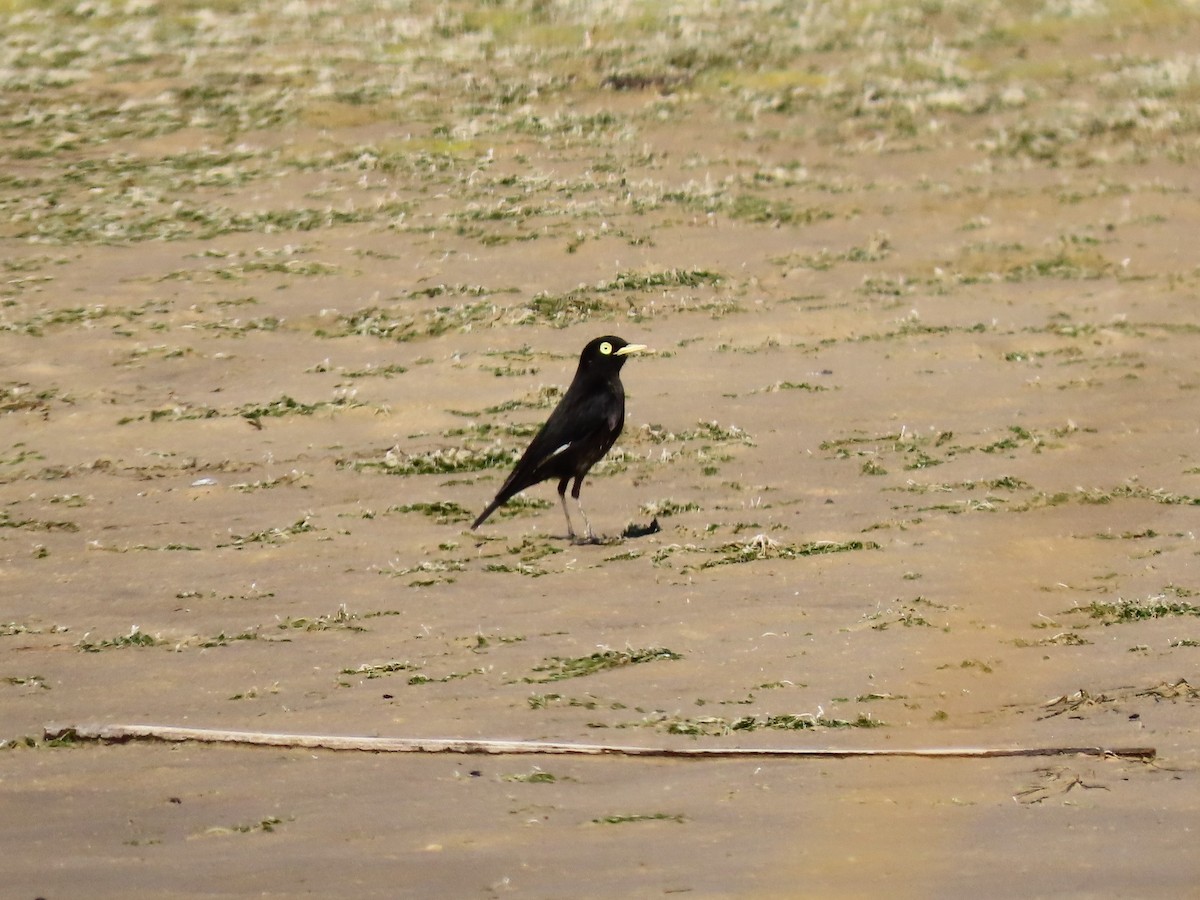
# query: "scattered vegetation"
x,y
341,619
763,547
537,776
271,535
441,511
267,825
906,613
1133,610
135,638
624,819
716,726
29,681
665,508
440,461
558,668
379,670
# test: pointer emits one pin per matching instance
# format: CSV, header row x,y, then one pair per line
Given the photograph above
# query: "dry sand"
x,y
920,433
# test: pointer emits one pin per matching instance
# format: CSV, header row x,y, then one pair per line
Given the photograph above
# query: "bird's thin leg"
x,y
589,535
562,495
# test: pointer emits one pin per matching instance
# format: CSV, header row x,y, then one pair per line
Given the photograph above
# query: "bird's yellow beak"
x,y
633,348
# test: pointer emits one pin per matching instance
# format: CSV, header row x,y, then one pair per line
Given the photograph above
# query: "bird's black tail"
x,y
492,507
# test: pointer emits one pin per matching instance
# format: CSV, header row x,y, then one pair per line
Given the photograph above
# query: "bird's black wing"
x,y
579,431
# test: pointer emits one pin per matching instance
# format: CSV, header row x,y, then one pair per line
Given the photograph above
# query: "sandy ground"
x,y
920,433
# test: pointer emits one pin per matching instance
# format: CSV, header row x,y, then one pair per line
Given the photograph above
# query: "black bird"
x,y
580,430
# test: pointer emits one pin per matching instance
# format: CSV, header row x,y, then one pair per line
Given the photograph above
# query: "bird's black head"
x,y
607,354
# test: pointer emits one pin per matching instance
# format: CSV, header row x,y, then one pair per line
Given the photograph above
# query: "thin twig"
x,y
123,733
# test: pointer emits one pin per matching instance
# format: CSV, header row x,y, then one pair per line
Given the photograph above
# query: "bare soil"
x,y
920,434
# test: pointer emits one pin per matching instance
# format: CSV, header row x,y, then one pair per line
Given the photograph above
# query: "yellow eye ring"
x,y
606,348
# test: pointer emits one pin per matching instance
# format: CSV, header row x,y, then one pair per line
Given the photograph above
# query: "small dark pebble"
x,y
636,531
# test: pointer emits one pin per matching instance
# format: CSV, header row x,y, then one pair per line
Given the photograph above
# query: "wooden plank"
x,y
169,733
